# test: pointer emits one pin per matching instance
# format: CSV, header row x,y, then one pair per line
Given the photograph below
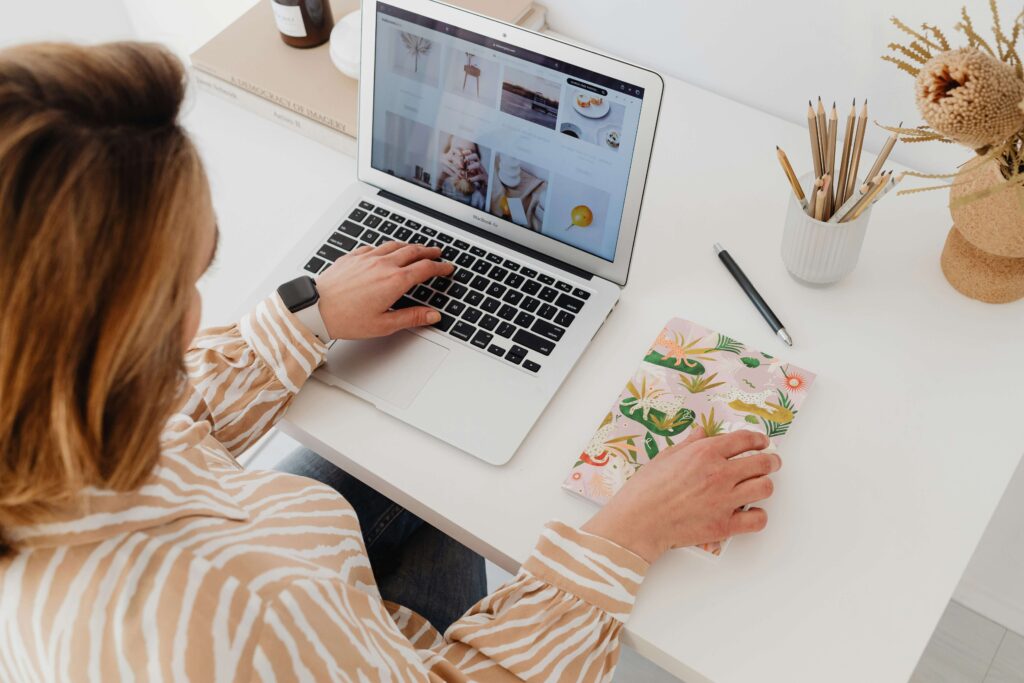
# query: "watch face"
x,y
298,294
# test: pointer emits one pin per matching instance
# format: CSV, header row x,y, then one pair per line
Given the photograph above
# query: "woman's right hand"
x,y
690,494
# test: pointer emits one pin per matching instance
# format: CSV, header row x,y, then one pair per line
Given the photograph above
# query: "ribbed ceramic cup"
x,y
820,253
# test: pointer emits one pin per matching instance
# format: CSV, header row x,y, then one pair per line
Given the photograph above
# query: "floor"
x,y
965,647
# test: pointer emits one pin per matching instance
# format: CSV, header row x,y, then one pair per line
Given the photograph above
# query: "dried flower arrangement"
x,y
972,95
416,45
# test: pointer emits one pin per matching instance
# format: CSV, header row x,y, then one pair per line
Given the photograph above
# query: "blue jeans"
x,y
415,564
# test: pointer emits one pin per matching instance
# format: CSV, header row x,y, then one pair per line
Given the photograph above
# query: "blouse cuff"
x,y
596,570
282,342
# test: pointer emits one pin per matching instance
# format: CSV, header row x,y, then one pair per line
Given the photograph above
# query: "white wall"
x,y
74,20
774,55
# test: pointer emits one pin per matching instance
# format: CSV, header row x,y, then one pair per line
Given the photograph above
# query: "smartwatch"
x,y
301,297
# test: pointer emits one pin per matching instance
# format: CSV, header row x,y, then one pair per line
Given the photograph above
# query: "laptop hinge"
x,y
470,228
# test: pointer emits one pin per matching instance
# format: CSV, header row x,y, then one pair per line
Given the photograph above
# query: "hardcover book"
x,y
690,377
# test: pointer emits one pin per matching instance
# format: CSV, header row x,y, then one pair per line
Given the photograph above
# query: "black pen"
x,y
755,298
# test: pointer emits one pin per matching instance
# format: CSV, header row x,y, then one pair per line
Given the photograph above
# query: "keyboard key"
x,y
465,260
397,218
405,302
428,231
342,241
463,331
511,265
421,293
329,253
506,330
457,291
438,300
496,290
412,224
370,236
350,228
497,273
471,315
366,205
494,258
564,318
546,279
481,267
482,339
548,294
372,221
532,341
449,253
516,354
569,303
490,305
506,312
477,251
546,329
418,239
435,244
479,282
314,265
462,275
357,215
489,322
529,304
528,272
441,284
444,323
514,280
387,227
547,311
564,286
512,297
444,237
403,234
459,244
474,298
496,350
455,307
531,366
380,211
531,287
384,239
524,319
581,293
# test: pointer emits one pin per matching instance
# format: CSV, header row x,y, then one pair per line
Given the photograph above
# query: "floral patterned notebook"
x,y
689,377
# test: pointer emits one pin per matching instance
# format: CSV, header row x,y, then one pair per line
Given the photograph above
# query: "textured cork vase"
x,y
984,253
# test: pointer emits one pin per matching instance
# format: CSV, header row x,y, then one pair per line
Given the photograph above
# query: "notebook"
x,y
690,377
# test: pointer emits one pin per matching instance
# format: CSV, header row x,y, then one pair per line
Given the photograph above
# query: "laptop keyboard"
x,y
490,302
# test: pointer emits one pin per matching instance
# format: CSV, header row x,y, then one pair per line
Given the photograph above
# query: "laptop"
x,y
524,159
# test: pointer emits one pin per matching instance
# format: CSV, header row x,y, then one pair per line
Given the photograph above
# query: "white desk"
x,y
891,473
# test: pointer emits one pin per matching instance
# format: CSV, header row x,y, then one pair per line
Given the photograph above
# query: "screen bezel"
x,y
616,271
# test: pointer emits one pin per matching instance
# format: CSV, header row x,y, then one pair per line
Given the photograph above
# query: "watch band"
x,y
311,318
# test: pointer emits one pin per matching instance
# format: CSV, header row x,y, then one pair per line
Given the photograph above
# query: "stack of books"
x,y
248,64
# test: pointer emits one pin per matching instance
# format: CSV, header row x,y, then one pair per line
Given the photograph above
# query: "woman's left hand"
x,y
359,288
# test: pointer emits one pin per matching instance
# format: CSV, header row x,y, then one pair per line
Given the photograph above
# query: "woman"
x,y
134,547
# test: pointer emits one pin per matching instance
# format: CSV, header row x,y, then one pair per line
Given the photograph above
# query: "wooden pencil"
x,y
858,146
844,161
794,182
830,159
865,201
819,205
859,192
812,206
812,131
884,154
822,132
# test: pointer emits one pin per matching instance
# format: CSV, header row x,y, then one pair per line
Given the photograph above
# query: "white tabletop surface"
x,y
892,469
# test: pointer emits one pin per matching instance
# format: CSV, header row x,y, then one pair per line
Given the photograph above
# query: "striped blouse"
x,y
210,572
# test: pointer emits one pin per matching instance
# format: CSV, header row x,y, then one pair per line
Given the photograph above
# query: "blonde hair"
x,y
100,198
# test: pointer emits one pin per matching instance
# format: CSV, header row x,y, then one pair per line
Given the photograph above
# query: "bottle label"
x,y
289,20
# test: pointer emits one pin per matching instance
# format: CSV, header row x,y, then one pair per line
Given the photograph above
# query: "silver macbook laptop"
x,y
524,158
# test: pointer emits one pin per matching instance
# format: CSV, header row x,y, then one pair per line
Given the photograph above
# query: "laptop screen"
x,y
537,142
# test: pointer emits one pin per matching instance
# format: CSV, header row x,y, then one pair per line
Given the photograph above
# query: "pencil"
x,y
822,133
884,154
819,205
830,156
794,182
858,145
865,201
812,207
859,192
826,183
845,160
812,130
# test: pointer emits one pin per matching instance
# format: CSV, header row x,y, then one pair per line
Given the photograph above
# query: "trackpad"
x,y
392,368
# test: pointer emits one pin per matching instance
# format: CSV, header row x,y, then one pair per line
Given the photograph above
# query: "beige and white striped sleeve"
x,y
244,376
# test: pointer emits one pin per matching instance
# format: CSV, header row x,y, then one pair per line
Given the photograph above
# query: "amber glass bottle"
x,y
303,23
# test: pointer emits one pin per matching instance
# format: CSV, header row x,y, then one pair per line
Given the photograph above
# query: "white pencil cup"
x,y
818,253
